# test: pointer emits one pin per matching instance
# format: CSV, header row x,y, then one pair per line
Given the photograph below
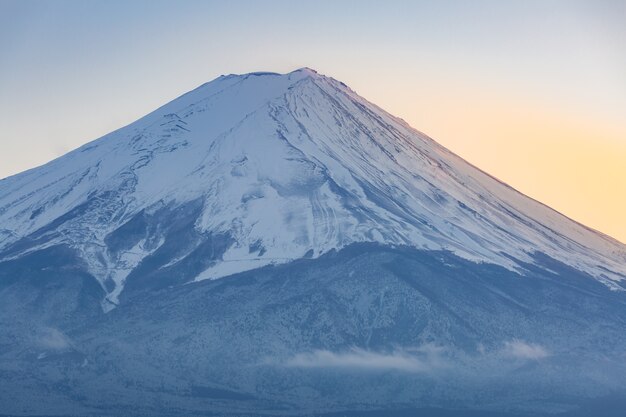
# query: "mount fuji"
x,y
274,244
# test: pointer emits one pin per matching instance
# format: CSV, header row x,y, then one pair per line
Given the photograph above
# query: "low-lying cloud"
x,y
54,339
422,359
520,349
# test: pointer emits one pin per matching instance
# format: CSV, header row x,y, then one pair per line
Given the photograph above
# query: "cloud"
x,y
520,349
422,359
51,338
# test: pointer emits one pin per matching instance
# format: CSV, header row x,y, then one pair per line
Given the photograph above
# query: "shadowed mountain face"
x,y
276,245
365,328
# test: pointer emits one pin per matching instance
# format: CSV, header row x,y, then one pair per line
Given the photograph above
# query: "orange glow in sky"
x,y
574,166
573,162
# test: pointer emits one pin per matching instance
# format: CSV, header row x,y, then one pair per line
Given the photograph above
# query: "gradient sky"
x,y
533,92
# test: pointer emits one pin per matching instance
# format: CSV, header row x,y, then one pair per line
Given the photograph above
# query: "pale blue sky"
x,y
71,71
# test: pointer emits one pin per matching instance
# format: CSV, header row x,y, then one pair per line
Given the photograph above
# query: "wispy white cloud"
x,y
51,338
523,350
422,359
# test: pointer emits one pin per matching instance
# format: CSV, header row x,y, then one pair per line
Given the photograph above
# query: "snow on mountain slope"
x,y
279,167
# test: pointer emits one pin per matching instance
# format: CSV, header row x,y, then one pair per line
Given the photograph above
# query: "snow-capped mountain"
x,y
264,168
365,270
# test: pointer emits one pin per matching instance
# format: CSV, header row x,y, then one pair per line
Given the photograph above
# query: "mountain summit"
x,y
276,244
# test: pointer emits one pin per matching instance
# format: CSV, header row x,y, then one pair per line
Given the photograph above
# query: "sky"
x,y
533,92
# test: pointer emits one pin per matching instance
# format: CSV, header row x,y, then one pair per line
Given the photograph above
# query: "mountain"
x,y
276,244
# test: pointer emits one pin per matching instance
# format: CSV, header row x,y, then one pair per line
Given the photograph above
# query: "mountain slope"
x,y
266,168
367,330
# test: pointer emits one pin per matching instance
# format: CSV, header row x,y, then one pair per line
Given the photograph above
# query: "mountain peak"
x,y
306,70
